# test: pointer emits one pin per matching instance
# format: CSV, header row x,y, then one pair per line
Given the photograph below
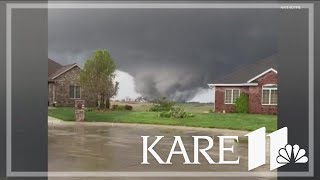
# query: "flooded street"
x,y
109,147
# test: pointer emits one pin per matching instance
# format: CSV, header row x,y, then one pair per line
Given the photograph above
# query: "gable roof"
x,y
57,69
262,74
247,74
53,67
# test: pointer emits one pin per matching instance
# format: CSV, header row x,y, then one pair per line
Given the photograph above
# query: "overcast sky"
x,y
173,53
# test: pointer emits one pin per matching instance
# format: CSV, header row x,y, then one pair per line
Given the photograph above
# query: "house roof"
x,y
55,69
247,74
262,74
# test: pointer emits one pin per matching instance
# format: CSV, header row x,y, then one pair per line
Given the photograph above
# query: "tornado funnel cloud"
x,y
168,52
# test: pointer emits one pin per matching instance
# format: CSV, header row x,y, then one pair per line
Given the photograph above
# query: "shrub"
x,y
166,114
114,107
162,105
176,112
128,107
242,104
121,107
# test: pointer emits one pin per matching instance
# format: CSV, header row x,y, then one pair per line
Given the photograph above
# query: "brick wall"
x,y
254,92
220,106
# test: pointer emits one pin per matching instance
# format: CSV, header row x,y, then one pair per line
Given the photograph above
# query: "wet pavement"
x,y
109,147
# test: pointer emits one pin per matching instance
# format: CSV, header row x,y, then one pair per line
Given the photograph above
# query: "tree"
x,y
98,76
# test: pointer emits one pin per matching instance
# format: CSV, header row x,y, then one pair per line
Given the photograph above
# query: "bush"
x,y
128,107
242,103
176,112
162,105
166,114
114,107
121,107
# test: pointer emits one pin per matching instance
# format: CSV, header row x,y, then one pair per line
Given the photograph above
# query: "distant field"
x,y
189,107
137,106
202,118
197,107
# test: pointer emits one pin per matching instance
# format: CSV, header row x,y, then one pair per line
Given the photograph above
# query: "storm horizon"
x,y
165,53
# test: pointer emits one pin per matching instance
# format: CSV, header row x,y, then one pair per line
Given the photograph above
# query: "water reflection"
x,y
102,147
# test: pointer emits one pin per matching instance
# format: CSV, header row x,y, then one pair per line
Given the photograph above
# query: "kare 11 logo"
x,y
281,153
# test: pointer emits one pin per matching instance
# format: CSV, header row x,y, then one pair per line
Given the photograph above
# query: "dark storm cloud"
x,y
168,52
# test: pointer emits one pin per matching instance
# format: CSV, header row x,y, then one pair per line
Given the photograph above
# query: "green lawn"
x,y
196,107
208,120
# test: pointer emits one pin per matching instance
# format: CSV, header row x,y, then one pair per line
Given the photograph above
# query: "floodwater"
x,y
106,147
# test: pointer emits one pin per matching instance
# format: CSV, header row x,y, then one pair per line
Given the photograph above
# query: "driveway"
x,y
118,147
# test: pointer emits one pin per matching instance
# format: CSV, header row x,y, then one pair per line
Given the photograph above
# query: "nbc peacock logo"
x,y
292,154
280,151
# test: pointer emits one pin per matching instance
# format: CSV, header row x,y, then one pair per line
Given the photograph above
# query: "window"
x,y
269,94
74,92
231,96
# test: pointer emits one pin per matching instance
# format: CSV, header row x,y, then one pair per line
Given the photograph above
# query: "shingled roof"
x,y
55,69
245,73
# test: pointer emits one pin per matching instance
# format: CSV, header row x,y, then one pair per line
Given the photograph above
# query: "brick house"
x,y
258,81
64,85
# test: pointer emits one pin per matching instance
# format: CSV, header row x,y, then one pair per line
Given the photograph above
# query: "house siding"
x,y
61,90
254,94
